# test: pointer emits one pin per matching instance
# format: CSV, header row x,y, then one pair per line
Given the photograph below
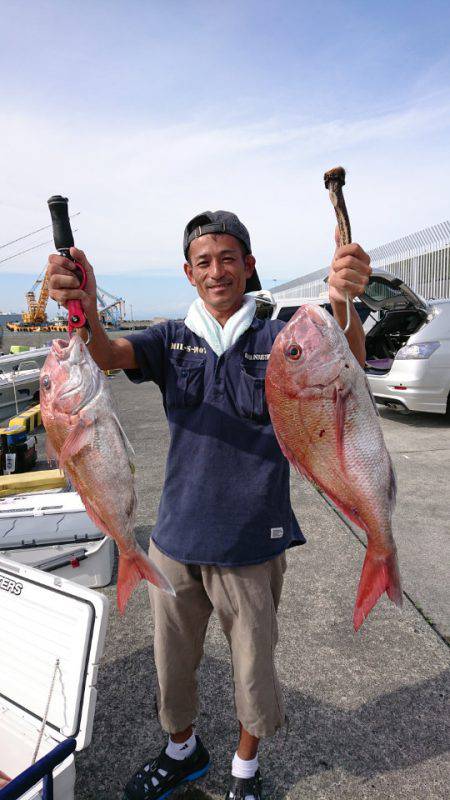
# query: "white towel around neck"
x,y
201,322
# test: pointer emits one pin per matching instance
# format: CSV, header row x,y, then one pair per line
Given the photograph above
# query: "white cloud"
x,y
137,188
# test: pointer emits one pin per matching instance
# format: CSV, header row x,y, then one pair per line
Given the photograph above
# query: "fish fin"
x,y
374,403
340,397
352,514
78,437
95,516
135,566
287,452
129,447
392,492
379,574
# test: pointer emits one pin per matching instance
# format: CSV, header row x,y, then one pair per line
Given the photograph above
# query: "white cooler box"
x,y
52,531
45,620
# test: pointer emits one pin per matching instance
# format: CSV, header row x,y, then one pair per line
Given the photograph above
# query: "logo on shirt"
x,y
188,348
276,533
257,356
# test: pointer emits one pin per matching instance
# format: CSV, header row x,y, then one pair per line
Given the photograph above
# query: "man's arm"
x,y
349,274
64,286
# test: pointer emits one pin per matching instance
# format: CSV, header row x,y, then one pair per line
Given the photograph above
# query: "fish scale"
x,y
327,426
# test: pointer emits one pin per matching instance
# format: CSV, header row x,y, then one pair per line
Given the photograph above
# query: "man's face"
x,y
219,271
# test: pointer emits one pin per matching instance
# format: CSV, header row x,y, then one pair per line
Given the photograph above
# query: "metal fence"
x,y
421,260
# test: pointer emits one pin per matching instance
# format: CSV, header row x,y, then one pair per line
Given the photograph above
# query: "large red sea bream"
x,y
91,447
327,425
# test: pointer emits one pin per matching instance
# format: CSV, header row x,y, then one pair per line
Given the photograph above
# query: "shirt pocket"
x,y
185,384
251,395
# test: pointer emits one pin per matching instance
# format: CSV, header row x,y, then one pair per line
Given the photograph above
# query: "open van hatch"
x,y
402,313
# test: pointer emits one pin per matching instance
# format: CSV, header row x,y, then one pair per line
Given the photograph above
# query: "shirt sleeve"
x,y
149,347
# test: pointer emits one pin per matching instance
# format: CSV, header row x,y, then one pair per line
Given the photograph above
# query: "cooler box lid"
x,y
45,618
44,518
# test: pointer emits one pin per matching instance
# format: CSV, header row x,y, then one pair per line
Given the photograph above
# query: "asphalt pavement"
x,y
367,712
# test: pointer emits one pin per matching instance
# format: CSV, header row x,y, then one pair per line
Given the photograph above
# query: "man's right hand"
x,y
64,286
64,283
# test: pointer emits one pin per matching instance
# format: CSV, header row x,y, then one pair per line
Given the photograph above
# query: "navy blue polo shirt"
x,y
226,498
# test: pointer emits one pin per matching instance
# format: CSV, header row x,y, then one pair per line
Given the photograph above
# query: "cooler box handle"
x,y
42,769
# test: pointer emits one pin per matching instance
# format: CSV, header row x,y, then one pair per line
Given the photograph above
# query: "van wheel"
x,y
447,411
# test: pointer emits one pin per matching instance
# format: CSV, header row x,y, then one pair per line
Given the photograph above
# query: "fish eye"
x,y
294,351
46,382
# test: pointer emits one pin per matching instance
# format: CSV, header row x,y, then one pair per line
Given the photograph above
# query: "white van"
x,y
408,349
407,342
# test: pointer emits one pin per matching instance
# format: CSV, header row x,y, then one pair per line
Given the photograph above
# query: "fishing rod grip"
x,y
62,232
63,238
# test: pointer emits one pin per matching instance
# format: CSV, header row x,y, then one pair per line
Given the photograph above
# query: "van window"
x,y
287,312
263,310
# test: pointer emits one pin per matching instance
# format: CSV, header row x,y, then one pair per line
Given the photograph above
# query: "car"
x,y
407,342
408,349
269,306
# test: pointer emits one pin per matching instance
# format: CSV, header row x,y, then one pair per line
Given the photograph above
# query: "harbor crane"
x,y
111,313
111,310
35,316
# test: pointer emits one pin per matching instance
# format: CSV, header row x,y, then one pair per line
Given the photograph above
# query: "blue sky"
x,y
146,113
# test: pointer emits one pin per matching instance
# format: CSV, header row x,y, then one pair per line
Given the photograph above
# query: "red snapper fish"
x,y
93,450
327,425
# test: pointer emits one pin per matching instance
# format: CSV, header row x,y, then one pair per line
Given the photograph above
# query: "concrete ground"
x,y
367,712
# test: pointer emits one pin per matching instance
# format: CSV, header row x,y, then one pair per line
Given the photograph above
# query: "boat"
x,y
18,389
33,356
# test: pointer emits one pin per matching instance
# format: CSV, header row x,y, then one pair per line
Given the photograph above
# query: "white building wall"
x,y
422,260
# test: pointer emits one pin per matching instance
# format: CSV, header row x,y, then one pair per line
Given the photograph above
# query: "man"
x,y
225,518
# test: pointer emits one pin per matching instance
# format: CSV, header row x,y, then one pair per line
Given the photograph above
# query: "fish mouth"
x,y
315,315
62,348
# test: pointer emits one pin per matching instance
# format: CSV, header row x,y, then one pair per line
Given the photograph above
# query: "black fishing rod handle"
x,y
62,232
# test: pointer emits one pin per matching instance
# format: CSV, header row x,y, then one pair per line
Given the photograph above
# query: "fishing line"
x,y
38,230
49,241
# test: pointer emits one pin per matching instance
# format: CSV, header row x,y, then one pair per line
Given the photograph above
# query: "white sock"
x,y
241,768
181,750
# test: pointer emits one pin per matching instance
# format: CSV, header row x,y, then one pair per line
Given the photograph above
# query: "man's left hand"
x,y
349,272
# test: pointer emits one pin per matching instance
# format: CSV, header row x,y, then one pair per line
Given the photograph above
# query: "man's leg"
x,y
246,600
180,624
248,744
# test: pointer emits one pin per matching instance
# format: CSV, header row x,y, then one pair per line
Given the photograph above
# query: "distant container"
x,y
19,348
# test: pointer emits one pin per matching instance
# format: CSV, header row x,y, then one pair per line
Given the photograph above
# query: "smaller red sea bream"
x,y
91,447
328,427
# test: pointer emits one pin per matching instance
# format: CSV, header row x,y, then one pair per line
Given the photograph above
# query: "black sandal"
x,y
167,773
240,788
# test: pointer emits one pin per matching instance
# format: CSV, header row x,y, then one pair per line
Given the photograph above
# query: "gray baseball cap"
x,y
220,222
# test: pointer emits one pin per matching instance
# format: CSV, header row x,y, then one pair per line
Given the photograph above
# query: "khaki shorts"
x,y
245,600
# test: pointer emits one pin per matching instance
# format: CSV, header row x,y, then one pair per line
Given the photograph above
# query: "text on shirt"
x,y
189,348
257,356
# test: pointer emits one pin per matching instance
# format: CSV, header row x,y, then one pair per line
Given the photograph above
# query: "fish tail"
x,y
379,574
134,567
